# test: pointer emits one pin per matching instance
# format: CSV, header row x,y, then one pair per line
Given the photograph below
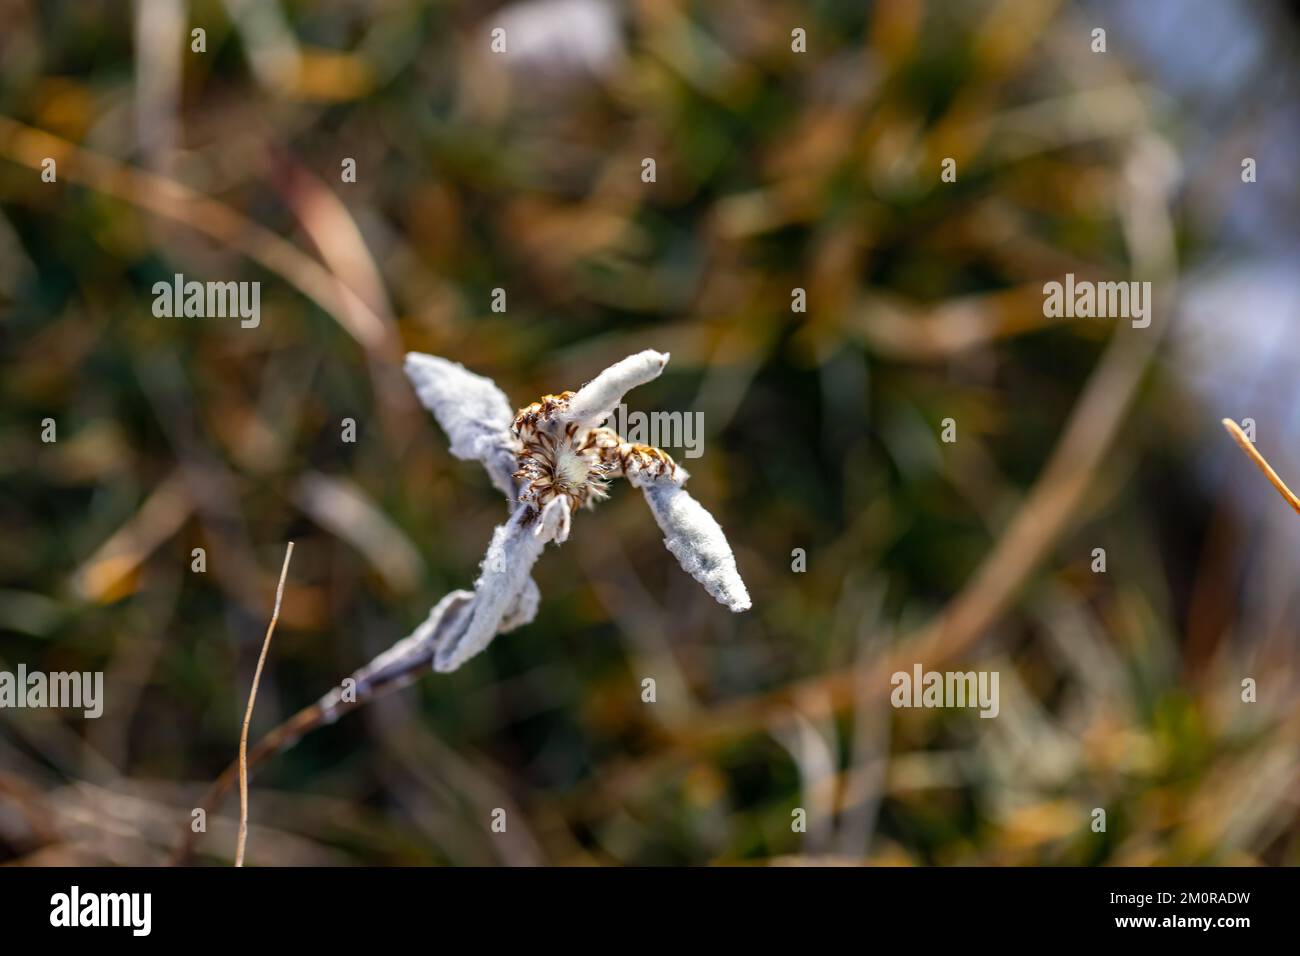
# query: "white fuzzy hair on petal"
x,y
596,401
509,561
445,622
553,525
525,609
697,542
473,412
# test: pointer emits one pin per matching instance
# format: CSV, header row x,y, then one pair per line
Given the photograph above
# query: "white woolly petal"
x,y
595,401
640,474
513,551
697,542
553,525
525,609
447,619
445,622
472,411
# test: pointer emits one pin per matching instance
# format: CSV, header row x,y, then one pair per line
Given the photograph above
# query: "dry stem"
x,y
248,713
1248,447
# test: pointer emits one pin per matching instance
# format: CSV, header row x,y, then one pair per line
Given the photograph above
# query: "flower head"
x,y
558,459
551,458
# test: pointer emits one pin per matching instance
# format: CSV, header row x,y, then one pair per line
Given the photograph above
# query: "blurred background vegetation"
x,y
776,170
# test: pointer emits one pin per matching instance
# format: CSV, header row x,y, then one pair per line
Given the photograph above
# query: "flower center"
x,y
558,458
571,469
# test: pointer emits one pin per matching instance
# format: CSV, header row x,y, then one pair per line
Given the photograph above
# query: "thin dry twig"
x,y
326,710
1261,463
248,713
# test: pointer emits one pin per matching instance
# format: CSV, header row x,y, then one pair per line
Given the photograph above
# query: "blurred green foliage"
x,y
775,171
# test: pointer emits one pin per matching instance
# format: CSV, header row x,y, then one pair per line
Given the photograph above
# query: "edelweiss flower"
x,y
551,458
